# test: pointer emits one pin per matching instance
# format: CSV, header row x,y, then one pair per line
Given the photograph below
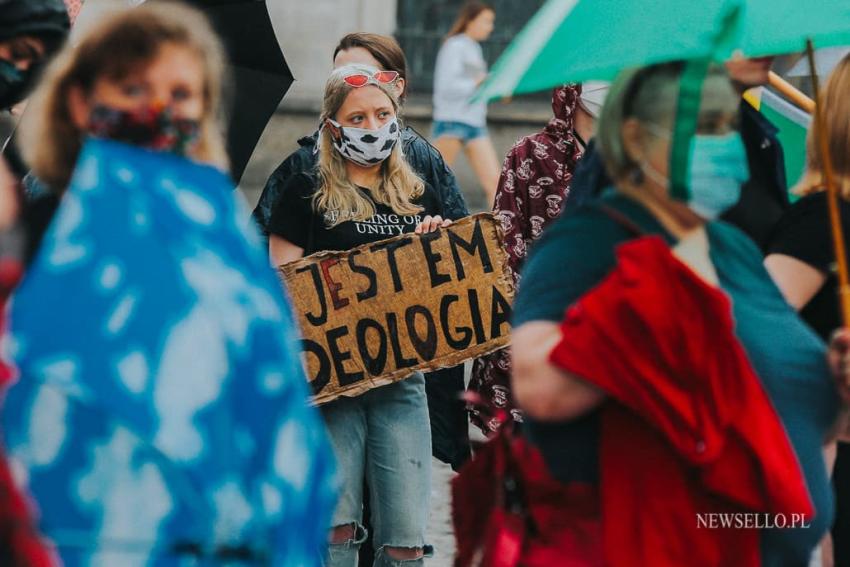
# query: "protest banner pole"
x,y
820,134
789,91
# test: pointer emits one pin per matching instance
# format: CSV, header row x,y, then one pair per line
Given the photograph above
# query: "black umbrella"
x,y
261,75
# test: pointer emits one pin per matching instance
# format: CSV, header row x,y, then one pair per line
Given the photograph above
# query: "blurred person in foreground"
x,y
764,196
801,259
190,459
630,294
162,95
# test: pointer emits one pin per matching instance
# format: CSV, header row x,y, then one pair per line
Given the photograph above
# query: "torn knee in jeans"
x,y
399,553
348,534
403,552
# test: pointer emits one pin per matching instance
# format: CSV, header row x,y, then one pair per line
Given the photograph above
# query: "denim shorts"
x,y
384,436
464,132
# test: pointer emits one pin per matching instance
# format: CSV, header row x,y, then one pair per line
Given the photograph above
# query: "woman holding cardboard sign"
x,y
363,191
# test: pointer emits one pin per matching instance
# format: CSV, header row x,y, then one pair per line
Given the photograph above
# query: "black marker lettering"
x,y
465,332
368,273
433,258
323,375
374,364
477,242
322,317
426,348
339,357
391,248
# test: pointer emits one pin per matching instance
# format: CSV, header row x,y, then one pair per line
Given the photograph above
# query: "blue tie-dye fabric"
x,y
161,401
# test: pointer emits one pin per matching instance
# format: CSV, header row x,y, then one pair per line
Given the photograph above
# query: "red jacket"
x,y
689,429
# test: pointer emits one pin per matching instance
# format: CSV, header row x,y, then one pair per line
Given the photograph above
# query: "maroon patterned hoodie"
x,y
534,183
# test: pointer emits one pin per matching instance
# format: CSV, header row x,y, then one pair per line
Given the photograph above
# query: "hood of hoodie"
x,y
565,100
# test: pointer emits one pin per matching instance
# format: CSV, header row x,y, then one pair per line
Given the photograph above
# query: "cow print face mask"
x,y
366,147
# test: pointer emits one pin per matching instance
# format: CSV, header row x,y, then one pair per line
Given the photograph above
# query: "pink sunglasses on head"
x,y
358,80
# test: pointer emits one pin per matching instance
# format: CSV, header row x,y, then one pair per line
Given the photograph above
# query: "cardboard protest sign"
x,y
374,314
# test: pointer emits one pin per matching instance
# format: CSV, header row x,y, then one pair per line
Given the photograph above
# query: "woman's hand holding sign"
x,y
430,224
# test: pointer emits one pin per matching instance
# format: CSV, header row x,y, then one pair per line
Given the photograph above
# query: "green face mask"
x,y
717,168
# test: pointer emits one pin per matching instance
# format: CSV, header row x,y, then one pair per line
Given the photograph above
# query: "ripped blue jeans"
x,y
383,436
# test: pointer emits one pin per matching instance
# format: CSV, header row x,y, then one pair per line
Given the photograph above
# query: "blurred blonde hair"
x,y
398,185
835,99
119,45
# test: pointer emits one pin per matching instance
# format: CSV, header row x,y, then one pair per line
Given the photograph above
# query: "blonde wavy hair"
x,y
398,187
835,99
119,45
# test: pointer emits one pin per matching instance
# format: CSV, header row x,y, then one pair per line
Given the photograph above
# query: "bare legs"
x,y
481,156
449,147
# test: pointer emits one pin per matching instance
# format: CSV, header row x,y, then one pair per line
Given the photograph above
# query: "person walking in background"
x,y
534,184
381,436
800,258
460,123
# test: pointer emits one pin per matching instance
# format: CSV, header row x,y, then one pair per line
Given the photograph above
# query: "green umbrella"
x,y
572,40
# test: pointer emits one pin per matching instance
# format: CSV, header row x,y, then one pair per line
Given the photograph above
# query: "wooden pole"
x,y
790,92
831,193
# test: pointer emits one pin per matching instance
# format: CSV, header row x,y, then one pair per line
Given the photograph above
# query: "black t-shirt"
x,y
295,219
804,233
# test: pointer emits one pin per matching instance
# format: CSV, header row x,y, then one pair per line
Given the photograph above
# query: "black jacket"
x,y
764,198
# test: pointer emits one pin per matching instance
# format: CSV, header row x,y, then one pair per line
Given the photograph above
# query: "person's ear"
x,y
400,85
78,107
335,133
633,140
